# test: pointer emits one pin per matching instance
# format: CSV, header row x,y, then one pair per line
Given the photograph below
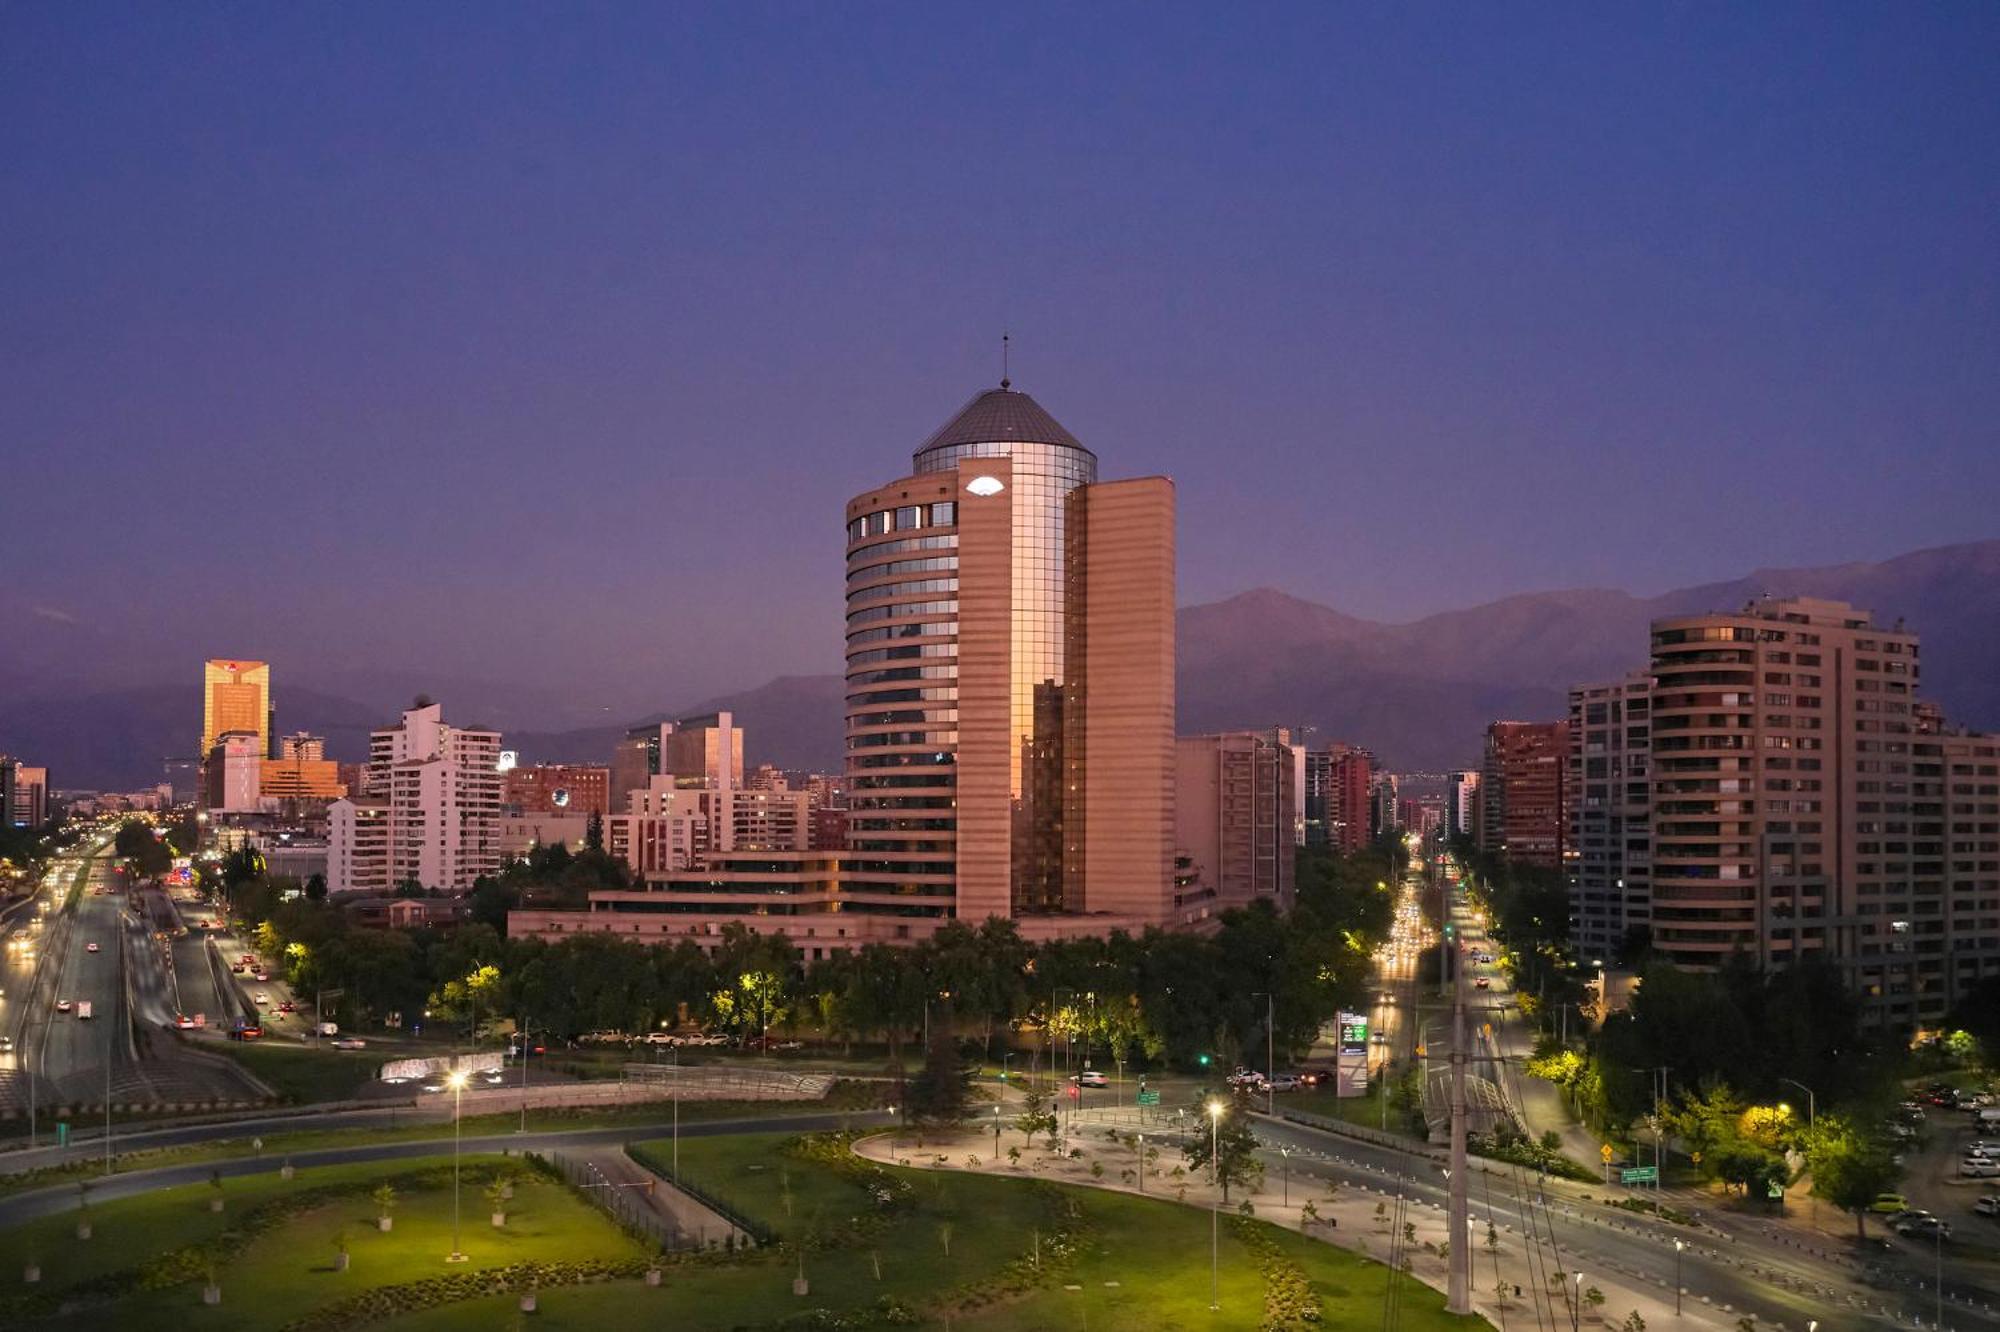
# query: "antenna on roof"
x,y
1005,381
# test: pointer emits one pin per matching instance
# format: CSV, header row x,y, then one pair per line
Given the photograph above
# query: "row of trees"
x,y
1160,998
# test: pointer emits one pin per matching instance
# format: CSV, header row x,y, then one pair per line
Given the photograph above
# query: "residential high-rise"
x,y
438,787
1522,785
1610,801
1234,795
1805,804
1338,780
235,696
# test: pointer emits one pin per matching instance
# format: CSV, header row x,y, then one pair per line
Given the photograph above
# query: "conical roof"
x,y
1001,415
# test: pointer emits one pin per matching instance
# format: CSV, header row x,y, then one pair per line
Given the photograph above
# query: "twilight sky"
x,y
544,342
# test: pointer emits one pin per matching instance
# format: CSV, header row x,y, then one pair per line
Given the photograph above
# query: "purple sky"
x,y
547,341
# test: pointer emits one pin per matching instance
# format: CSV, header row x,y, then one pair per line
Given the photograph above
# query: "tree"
x,y
1747,1166
316,888
1036,1115
1228,1150
1848,1170
938,1096
593,832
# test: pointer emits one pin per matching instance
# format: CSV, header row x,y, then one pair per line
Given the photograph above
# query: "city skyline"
x,y
1363,281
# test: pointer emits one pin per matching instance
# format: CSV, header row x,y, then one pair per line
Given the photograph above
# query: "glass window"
x,y
909,516
944,514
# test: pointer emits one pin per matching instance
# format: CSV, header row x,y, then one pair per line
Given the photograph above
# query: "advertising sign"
x,y
1353,1033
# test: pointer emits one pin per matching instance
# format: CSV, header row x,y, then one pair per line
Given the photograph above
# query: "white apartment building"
x,y
438,787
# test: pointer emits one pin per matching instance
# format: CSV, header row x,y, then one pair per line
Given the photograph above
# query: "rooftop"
x,y
1001,415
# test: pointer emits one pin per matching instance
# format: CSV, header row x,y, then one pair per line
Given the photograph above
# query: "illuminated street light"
x,y
456,1081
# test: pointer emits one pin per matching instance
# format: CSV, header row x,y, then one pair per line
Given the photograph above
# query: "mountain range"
x,y
1418,693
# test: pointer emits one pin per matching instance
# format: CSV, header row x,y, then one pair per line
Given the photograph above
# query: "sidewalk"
x,y
1346,1216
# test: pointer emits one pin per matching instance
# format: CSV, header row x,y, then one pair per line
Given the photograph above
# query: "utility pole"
x,y
1458,1231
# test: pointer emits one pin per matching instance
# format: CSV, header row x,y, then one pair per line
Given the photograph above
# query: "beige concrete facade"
x,y
1802,807
1233,795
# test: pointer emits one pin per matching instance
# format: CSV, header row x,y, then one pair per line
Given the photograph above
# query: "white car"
x,y
350,1043
90,948
1987,1206
1979,1167
62,1005
1090,1077
263,1000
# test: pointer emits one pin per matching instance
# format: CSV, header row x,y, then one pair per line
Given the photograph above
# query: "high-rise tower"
x,y
1010,625
236,696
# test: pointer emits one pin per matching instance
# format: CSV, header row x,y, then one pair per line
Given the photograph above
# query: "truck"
x,y
83,1008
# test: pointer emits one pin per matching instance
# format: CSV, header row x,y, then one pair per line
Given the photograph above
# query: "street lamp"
x,y
1812,1117
457,1084
1215,1205
1678,1246
996,1133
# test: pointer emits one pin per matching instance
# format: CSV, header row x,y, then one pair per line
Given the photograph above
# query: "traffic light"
x,y
1202,1060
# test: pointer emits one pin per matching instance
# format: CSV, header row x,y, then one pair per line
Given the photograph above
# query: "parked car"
x,y
1890,1203
1245,1078
1090,1077
662,1038
1924,1227
1987,1206
1979,1167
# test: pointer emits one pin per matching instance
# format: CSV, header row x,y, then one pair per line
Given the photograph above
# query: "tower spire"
x,y
1005,380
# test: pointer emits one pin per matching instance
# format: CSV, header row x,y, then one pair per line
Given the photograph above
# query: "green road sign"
x,y
1640,1175
62,1133
1149,1098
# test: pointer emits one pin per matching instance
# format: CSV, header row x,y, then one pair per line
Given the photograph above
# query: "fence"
x,y
722,1082
629,1202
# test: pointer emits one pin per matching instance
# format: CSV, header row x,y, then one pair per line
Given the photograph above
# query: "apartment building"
x,y
1610,802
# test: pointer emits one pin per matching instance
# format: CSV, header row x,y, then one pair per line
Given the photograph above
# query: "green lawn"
x,y
1364,1111
1140,1264
301,1074
289,1270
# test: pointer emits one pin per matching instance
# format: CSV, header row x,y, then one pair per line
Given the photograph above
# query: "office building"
x,y
1010,672
1610,801
1522,782
302,746
1461,807
234,773
702,751
24,794
557,788
1805,803
1234,799
236,696
439,788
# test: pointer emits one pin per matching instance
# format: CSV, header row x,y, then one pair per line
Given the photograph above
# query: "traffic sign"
x,y
1640,1175
1149,1098
1606,1152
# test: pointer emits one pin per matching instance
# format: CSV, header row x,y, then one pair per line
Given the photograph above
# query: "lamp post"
x,y
1286,1154
1678,1246
1812,1118
1576,1301
996,1133
1142,1163
457,1084
677,1115
1215,1205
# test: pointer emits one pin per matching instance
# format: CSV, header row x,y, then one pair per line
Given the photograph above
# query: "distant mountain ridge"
x,y
1420,693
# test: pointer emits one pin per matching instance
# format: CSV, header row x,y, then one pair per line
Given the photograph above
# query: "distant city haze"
x,y
524,356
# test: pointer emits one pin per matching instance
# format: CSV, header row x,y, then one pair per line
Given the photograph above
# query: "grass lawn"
x,y
1140,1264
1364,1111
290,1269
301,1074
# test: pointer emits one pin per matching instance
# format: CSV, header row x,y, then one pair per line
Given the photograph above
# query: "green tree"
x,y
938,1096
1848,1169
1037,1116
1228,1149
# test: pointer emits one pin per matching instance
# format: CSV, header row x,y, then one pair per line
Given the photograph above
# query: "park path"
x,y
1346,1216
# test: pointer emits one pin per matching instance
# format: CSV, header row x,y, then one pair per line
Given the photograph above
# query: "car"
x,y
1090,1077
1483,983
662,1038
492,1077
1892,1203
288,1007
249,1031
1285,1082
62,1005
1979,1167
182,1022
6,1045
262,1000
1987,1206
92,947
246,961
433,1086
350,1043
239,969
263,975
1924,1227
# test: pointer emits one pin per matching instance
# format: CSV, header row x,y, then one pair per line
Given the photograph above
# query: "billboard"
x,y
1353,1033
